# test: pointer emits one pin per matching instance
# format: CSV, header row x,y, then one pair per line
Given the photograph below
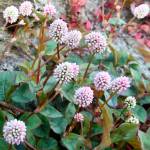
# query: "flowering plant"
x,y
69,92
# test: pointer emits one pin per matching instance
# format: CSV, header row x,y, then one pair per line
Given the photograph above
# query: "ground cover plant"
x,y
74,90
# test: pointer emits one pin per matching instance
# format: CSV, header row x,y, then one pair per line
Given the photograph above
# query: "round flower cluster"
x,y
84,96
130,102
66,71
57,30
79,117
49,10
133,119
11,14
72,39
25,8
120,84
96,42
14,131
141,11
102,81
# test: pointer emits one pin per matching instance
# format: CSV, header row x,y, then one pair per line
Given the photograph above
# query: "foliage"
x,y
34,95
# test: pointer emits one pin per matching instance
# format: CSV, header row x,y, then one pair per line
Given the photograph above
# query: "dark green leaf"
x,y
70,112
144,138
50,47
33,122
23,94
50,112
124,132
140,113
58,125
73,141
47,144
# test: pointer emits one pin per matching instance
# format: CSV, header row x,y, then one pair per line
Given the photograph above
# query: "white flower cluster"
x,y
133,119
72,39
96,42
57,30
11,14
141,11
14,131
130,102
66,71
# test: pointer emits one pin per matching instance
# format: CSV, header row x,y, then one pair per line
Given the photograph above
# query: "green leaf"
x,y
124,132
23,94
96,129
21,77
116,21
44,129
50,84
75,59
145,100
144,138
33,122
50,47
136,76
73,141
30,137
140,113
3,144
58,125
70,112
47,144
68,91
50,112
7,79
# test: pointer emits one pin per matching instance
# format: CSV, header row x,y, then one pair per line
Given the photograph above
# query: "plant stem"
x,y
58,55
10,147
50,58
44,102
109,98
88,66
129,22
38,72
72,125
29,146
11,107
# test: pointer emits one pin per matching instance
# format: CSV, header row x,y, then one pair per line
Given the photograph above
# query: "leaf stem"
x,y
109,98
29,145
11,107
88,66
58,55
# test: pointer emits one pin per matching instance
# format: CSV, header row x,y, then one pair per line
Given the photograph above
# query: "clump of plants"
x,y
74,90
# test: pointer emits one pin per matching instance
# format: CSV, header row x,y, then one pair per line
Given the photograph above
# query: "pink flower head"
x,y
79,117
72,39
14,131
120,84
66,71
84,96
49,10
102,81
26,8
96,42
57,30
